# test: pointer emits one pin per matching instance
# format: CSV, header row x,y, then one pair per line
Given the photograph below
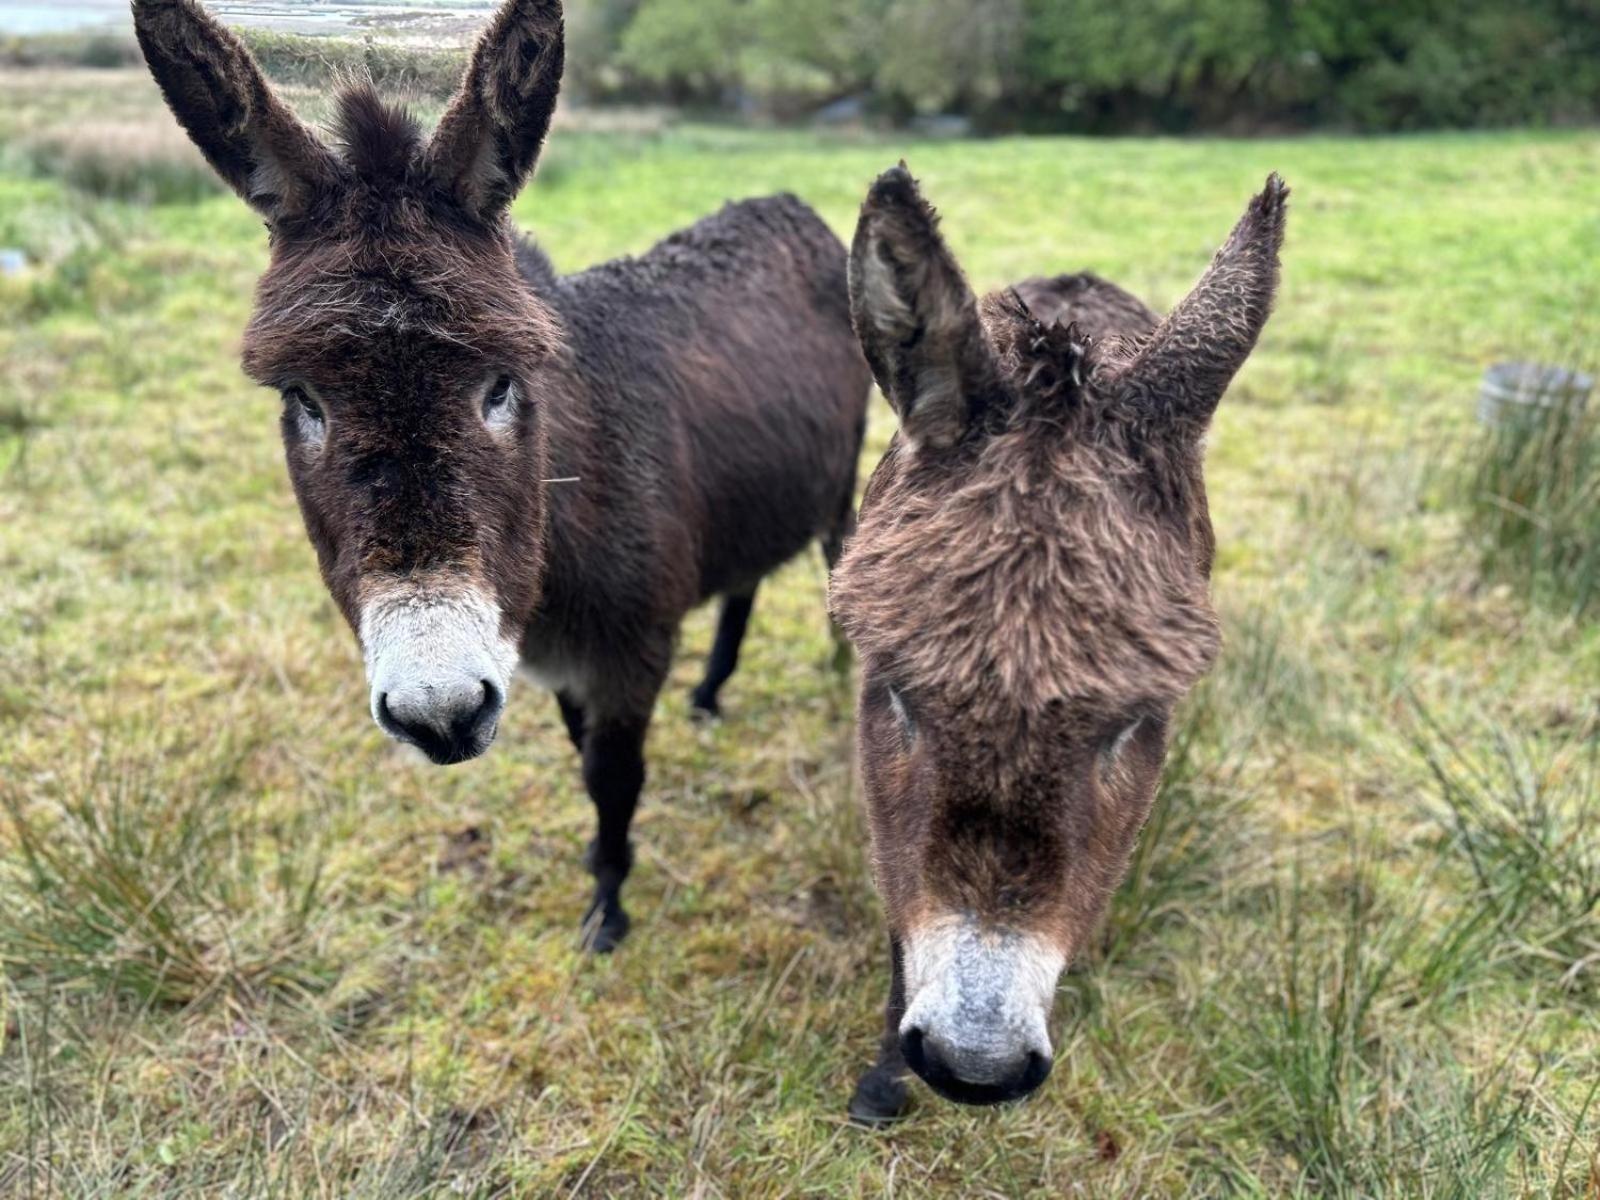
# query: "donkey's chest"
x,y
553,662
574,658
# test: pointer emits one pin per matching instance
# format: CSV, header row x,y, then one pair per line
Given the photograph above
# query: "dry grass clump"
x,y
106,132
424,71
121,879
151,161
95,50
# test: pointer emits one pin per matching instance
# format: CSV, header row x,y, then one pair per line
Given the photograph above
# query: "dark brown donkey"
x,y
495,462
1028,592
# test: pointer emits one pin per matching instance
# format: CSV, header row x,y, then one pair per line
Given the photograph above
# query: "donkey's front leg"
x,y
572,717
613,773
880,1094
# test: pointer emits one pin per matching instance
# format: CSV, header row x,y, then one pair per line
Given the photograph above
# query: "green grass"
x,y
1532,488
251,949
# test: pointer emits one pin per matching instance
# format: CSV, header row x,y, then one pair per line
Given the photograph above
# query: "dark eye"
x,y
497,400
306,413
1118,740
902,714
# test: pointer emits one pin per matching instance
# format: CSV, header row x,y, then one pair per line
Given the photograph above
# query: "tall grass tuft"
x,y
1521,816
1532,495
1305,1043
171,893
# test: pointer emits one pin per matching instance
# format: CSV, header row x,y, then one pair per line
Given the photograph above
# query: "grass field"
x,y
250,948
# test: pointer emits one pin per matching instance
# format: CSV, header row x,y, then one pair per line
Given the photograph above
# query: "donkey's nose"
x,y
980,1070
449,722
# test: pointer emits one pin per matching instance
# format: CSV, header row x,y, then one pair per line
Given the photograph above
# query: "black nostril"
x,y
414,732
952,1077
493,701
485,715
1034,1073
401,729
444,735
913,1049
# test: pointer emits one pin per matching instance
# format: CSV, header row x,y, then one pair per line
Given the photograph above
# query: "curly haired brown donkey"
x,y
496,463
1028,592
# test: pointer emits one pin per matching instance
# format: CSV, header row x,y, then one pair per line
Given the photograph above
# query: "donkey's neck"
x,y
615,491
582,485
570,428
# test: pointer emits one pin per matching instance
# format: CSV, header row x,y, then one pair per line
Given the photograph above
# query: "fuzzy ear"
x,y
915,315
489,137
222,100
1182,369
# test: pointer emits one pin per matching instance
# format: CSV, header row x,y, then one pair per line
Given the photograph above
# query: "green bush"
x,y
1078,64
1044,64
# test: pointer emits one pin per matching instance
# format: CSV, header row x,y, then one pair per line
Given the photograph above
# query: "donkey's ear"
x,y
227,107
1181,371
915,315
489,137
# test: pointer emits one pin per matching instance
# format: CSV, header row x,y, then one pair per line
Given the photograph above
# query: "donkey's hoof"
x,y
704,708
603,932
879,1098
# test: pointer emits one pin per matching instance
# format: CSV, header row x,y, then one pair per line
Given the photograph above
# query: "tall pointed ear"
x,y
1182,369
489,138
231,113
916,317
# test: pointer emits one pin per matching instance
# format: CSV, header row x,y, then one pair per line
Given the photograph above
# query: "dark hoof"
x,y
704,708
603,933
879,1099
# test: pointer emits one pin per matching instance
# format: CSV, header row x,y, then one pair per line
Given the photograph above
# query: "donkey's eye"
x,y
497,404
1118,741
306,413
902,714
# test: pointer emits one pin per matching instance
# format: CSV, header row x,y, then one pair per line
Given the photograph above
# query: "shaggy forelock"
x,y
380,142
388,253
1029,567
464,294
387,261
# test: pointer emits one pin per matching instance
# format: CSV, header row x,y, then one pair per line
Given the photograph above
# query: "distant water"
x,y
301,16
61,16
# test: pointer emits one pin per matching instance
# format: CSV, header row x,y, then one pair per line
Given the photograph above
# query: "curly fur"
x,y
1028,587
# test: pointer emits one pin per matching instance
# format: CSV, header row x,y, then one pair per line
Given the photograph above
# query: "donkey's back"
x,y
725,357
1099,308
